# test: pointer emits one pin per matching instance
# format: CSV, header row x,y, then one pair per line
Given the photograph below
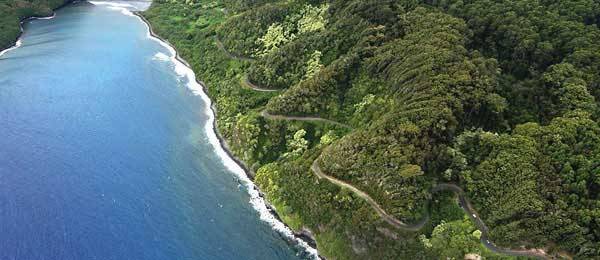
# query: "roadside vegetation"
x,y
497,97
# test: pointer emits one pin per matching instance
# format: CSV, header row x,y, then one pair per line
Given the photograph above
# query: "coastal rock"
x,y
305,234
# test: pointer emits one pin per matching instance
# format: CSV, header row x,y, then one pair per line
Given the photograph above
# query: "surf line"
x,y
183,69
18,42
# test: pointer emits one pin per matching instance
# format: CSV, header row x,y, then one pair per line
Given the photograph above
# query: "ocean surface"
x,y
107,152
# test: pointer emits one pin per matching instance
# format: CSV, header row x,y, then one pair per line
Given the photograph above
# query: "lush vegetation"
x,y
13,11
498,97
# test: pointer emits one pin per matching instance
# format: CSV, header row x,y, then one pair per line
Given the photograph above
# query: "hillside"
x,y
13,11
393,98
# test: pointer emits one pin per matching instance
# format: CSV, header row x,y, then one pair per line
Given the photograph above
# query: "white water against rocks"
x,y
108,151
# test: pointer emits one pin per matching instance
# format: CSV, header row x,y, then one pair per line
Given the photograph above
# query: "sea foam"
x,y
46,18
121,7
161,57
17,45
256,200
19,42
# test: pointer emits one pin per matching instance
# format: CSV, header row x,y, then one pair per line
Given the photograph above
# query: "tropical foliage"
x,y
13,11
498,97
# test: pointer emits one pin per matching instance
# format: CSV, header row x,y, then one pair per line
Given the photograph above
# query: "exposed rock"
x,y
306,235
472,256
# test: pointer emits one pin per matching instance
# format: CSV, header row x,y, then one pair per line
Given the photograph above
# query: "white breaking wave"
x,y
125,8
19,42
17,45
46,18
257,202
113,4
182,70
161,57
121,7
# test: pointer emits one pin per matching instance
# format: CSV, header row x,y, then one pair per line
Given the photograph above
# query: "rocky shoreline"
x,y
14,43
304,234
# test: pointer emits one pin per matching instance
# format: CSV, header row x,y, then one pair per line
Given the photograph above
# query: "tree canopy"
x,y
13,11
498,97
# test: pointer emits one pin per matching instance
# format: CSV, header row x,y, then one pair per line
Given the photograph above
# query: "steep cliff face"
x,y
12,12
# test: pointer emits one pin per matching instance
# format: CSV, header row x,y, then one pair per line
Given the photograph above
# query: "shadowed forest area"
x,y
497,97
395,97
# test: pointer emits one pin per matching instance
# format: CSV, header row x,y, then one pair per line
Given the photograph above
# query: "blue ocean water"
x,y
103,153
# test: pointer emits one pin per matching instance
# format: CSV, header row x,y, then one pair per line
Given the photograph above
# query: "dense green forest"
x,y
13,11
497,97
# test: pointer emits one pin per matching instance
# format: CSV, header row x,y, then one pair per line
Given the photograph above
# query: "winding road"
x,y
249,85
266,114
389,219
466,206
463,201
229,54
245,81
